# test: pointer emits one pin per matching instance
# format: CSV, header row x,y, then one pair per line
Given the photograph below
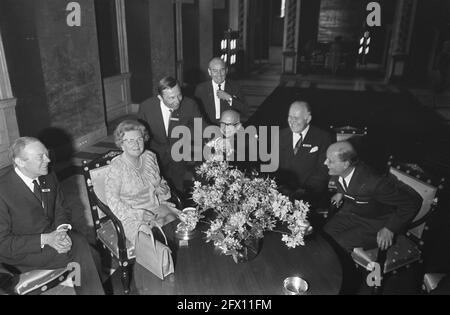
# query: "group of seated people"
x,y
35,229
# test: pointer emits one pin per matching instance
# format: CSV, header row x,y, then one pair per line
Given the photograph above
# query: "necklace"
x,y
133,164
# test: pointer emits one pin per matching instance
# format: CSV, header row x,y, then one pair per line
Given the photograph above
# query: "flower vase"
x,y
250,249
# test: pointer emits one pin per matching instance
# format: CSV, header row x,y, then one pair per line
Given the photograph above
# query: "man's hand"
x,y
336,200
58,240
384,238
221,94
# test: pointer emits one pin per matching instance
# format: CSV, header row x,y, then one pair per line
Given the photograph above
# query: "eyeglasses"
x,y
132,141
229,124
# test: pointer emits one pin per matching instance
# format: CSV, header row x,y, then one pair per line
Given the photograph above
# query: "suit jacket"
x,y
306,169
23,219
382,201
150,113
204,93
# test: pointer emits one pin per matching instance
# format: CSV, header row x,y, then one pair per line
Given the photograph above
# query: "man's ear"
x,y
19,162
209,72
160,98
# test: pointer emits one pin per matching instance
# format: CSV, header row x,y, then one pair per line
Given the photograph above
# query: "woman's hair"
x,y
128,125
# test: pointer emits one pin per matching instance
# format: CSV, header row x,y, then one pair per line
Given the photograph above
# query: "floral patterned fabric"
x,y
135,194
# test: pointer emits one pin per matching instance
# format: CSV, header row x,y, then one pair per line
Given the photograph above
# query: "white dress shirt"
x,y
217,99
29,182
347,179
166,115
296,136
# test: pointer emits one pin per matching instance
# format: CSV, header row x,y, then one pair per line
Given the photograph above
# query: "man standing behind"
x,y
372,207
163,113
220,94
34,221
302,174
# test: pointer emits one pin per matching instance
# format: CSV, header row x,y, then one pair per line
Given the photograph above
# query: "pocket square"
x,y
314,149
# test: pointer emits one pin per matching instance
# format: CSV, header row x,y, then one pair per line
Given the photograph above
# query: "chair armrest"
x,y
121,240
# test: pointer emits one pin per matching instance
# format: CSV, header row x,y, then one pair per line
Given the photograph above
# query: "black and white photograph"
x,y
221,153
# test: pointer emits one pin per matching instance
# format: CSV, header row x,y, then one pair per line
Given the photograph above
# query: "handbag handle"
x,y
147,229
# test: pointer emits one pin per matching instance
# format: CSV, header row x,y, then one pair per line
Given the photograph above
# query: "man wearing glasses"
x,y
232,145
220,94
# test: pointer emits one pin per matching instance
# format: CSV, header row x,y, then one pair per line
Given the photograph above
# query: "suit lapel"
x,y
212,107
158,120
356,182
21,186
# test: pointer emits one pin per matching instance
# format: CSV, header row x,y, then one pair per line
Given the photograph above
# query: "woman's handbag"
x,y
151,253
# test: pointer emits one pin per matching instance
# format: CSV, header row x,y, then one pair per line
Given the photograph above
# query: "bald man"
x,y
373,208
226,146
302,174
219,94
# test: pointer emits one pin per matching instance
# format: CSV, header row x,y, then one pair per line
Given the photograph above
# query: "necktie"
x,y
298,145
37,190
344,184
220,87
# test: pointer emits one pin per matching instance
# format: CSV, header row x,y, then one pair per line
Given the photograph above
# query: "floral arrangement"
x,y
245,207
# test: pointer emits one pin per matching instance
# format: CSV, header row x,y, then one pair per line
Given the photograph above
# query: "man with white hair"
x,y
35,224
302,174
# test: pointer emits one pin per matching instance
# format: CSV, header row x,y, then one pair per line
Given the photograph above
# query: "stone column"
x,y
205,34
9,130
290,40
401,37
162,36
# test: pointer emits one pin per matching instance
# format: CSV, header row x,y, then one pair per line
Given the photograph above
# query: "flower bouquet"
x,y
245,208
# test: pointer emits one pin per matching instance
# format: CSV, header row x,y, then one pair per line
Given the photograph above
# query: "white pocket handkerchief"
x,y
314,149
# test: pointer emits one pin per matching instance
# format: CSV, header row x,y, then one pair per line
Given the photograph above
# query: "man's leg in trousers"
x,y
338,225
81,253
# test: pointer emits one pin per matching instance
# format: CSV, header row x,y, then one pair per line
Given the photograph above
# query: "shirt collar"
x,y
163,106
28,181
303,133
216,86
348,178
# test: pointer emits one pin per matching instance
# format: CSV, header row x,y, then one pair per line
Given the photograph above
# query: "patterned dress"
x,y
132,192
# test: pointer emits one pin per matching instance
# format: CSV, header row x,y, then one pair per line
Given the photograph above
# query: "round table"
x,y
201,270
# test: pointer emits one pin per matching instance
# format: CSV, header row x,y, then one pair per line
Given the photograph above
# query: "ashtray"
x,y
295,286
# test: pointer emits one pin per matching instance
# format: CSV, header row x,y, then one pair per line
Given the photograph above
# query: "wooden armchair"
x,y
347,132
407,248
109,229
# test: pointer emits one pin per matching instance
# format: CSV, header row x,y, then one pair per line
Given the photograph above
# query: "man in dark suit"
x,y
35,230
302,174
163,113
220,94
372,207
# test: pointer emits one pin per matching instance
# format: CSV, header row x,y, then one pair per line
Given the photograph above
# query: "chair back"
x,y
413,176
98,176
94,173
347,132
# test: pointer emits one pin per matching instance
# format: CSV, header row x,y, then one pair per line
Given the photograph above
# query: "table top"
x,y
200,269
